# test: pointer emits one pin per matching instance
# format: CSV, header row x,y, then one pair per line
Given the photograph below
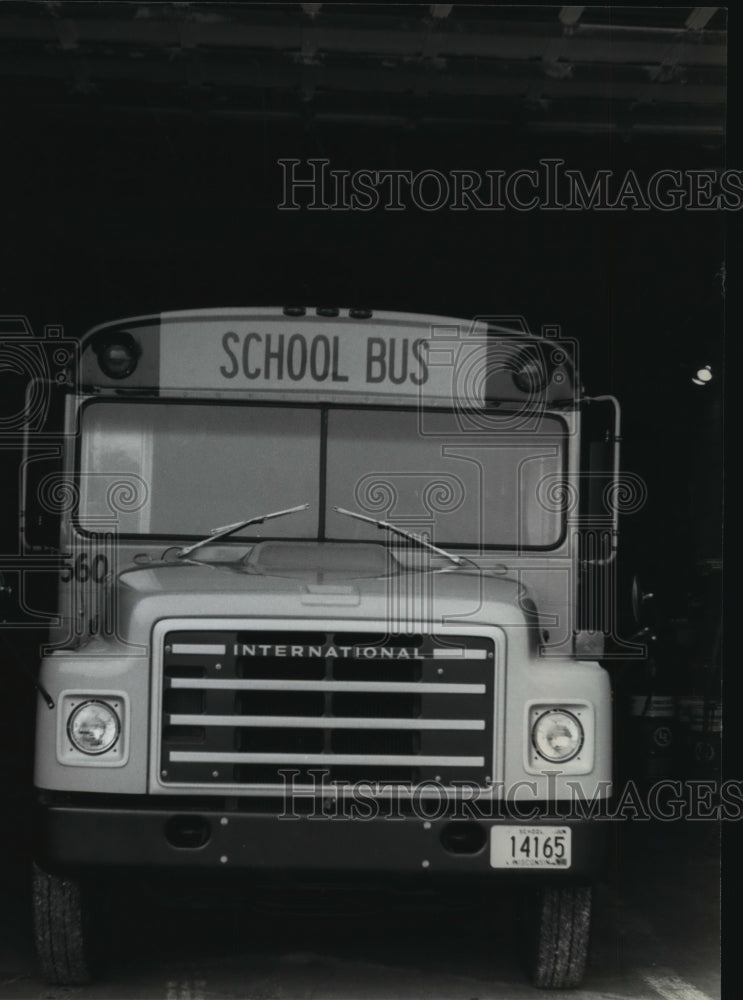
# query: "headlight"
x,y
557,735
93,727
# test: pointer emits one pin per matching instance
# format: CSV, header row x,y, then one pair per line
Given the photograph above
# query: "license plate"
x,y
530,846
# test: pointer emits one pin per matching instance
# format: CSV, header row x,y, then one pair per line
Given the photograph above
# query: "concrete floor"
x,y
656,937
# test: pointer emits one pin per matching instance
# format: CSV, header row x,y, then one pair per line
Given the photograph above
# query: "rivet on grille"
x,y
427,825
223,859
217,666
224,821
215,774
425,864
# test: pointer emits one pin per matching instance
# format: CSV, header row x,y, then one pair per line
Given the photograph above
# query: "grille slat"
x,y
368,707
187,756
305,722
389,687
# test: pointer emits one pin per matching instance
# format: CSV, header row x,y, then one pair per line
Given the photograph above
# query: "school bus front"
x,y
319,567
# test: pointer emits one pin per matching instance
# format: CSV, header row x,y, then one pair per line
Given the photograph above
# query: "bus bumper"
x,y
75,837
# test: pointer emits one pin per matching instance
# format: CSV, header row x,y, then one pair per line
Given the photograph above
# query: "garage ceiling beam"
x,y
700,17
492,39
569,16
712,130
702,128
277,73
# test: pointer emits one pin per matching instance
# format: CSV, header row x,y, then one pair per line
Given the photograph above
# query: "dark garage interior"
x,y
141,173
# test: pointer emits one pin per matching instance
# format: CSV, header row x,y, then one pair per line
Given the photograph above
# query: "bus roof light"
x,y
118,354
530,375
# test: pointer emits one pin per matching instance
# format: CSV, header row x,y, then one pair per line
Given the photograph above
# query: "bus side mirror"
x,y
45,493
41,485
601,483
643,604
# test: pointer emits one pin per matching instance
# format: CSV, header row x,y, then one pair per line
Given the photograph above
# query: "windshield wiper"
x,y
216,533
387,526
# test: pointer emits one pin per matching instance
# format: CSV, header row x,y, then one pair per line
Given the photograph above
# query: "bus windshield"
x,y
176,469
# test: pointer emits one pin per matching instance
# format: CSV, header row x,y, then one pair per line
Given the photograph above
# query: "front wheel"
x,y
560,924
59,929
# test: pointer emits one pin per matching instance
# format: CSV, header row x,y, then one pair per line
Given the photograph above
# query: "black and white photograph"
x,y
362,420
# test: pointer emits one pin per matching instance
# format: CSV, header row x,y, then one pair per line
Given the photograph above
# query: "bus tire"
x,y
560,925
59,929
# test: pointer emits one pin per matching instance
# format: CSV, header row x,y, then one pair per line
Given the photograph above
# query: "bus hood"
x,y
300,580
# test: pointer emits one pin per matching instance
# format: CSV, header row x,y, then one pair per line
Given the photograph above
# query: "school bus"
x,y
325,562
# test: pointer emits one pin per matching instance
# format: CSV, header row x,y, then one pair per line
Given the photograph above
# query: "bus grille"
x,y
268,708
